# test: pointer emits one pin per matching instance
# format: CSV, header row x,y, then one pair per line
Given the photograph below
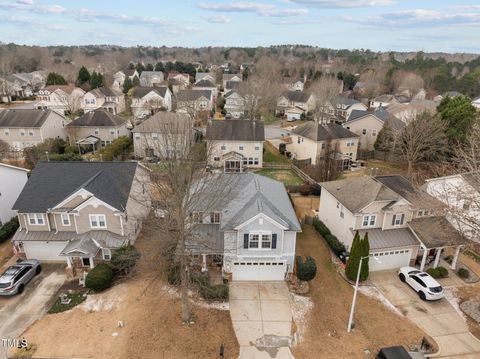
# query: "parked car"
x,y
424,284
397,352
14,279
344,256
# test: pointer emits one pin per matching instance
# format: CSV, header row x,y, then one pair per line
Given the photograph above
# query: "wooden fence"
x,y
286,166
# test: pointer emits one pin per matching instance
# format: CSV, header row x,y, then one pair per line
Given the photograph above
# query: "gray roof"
x,y
241,196
150,74
340,100
141,91
297,96
98,118
52,182
208,239
193,95
379,113
164,122
105,91
391,238
204,83
91,242
23,118
356,193
201,75
228,77
435,232
129,72
322,132
48,236
232,85
235,130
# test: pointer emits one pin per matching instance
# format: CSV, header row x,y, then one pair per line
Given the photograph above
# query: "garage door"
x,y
391,259
259,270
44,251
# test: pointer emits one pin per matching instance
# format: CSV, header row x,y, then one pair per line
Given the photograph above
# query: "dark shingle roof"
x,y
204,83
52,182
235,130
105,91
436,232
322,132
140,91
165,122
340,100
23,118
297,96
97,118
379,113
193,95
129,72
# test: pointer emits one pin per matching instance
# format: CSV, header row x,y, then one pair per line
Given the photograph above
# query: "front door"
x,y
86,261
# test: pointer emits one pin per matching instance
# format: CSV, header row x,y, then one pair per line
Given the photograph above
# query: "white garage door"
x,y
259,270
391,259
44,251
293,116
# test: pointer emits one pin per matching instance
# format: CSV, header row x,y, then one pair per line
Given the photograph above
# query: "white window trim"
x,y
97,217
67,217
108,252
36,217
260,234
369,216
399,217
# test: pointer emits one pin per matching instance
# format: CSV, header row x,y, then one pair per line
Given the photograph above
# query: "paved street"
x,y
258,309
274,132
439,319
18,312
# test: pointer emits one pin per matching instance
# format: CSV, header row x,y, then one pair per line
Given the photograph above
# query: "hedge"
x,y
321,227
332,241
307,270
99,278
439,272
8,229
208,291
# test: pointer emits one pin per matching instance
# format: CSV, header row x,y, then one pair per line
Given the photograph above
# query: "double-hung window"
x,y
254,241
215,217
397,219
106,254
266,241
98,221
36,219
65,219
369,220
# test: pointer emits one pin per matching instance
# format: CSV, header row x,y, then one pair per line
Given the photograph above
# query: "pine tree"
x,y
365,253
55,79
127,85
136,81
96,80
159,67
83,76
354,258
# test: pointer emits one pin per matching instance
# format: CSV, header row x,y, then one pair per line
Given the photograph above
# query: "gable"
x,y
260,222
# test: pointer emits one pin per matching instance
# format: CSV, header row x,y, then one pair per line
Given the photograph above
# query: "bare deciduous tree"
x,y
468,154
5,149
323,90
423,138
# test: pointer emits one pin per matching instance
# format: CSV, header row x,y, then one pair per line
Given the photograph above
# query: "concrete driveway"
x,y
18,312
438,319
260,309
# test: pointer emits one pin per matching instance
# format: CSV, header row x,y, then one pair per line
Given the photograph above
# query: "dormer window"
x,y
36,219
398,219
369,220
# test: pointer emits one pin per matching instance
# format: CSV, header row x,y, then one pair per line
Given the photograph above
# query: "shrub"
x,y
463,273
125,258
307,270
99,278
321,227
8,229
448,259
336,246
218,292
439,272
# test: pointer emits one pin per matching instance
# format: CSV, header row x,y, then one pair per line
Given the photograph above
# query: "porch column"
x,y
437,257
424,259
455,258
91,262
69,262
204,263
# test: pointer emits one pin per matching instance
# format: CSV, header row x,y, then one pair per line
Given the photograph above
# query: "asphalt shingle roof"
x,y
297,96
193,95
379,113
51,182
97,118
204,83
235,130
322,132
165,122
23,118
141,91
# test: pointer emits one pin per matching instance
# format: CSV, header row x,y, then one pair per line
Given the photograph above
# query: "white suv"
x,y
426,287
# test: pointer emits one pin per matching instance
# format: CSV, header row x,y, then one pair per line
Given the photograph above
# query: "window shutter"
x,y
274,241
403,217
245,240
393,219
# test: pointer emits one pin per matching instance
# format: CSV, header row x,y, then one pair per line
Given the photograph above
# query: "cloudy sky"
x,y
429,25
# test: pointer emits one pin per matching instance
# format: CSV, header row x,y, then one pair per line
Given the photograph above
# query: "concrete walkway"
x,y
260,309
438,319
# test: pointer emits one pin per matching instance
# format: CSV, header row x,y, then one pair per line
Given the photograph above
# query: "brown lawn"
x,y
6,252
305,205
327,337
152,324
471,292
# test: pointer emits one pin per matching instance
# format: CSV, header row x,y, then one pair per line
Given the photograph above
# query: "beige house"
x,y
111,100
193,101
26,128
402,221
343,107
63,99
96,129
80,212
120,76
312,139
299,100
162,133
148,100
230,78
235,145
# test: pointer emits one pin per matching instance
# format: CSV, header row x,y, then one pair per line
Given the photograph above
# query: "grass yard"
x,y
288,177
326,335
6,252
58,307
271,155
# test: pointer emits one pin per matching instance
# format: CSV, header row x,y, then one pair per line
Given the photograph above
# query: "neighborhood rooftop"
x,y
141,91
235,130
323,132
23,118
164,122
97,118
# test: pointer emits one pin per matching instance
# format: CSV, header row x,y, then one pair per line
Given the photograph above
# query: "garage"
x,y
389,259
259,270
44,250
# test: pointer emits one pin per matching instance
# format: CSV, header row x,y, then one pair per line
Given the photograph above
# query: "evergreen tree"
x,y
353,260
83,76
127,85
96,80
55,79
365,253
159,67
459,114
149,67
136,81
139,68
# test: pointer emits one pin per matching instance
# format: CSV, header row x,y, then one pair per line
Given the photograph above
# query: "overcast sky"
x,y
403,25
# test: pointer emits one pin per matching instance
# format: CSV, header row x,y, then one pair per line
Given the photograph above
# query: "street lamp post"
x,y
350,319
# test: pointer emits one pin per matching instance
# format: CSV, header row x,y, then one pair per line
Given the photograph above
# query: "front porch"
x,y
232,162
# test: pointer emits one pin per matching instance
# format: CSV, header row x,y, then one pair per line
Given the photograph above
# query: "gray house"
x,y
251,229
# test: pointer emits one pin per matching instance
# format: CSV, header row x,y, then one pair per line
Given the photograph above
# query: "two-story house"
x,y
205,76
12,180
96,129
312,140
235,145
26,128
247,222
120,76
206,85
342,106
182,79
230,78
148,100
234,104
80,212
111,100
293,104
193,101
151,78
403,222
63,99
162,133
